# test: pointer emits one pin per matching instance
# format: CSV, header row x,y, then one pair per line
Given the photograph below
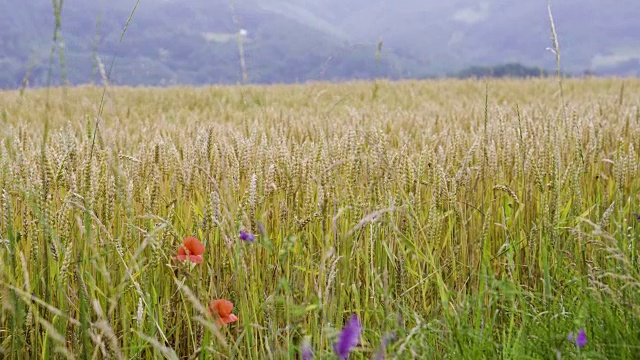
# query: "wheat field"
x,y
455,219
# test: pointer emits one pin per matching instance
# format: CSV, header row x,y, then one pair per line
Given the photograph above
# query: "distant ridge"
x,y
196,41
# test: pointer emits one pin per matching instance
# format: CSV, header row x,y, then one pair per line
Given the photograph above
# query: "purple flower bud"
x,y
261,229
305,349
581,339
349,338
383,346
247,236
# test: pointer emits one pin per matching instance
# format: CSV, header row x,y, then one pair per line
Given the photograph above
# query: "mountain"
x,y
594,35
267,41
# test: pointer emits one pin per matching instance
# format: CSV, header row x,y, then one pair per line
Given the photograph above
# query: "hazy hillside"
x,y
196,41
168,43
450,34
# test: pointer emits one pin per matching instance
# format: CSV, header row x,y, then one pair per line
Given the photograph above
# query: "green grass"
x,y
469,230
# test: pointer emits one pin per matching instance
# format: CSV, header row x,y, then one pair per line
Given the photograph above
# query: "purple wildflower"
x,y
261,229
580,340
383,345
305,349
247,236
348,338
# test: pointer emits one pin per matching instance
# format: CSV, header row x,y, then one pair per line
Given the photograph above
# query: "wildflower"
x,y
247,236
580,340
306,353
263,231
383,345
222,310
191,249
348,338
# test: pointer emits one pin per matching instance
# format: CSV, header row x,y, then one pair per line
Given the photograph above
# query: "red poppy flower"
x,y
222,310
191,250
